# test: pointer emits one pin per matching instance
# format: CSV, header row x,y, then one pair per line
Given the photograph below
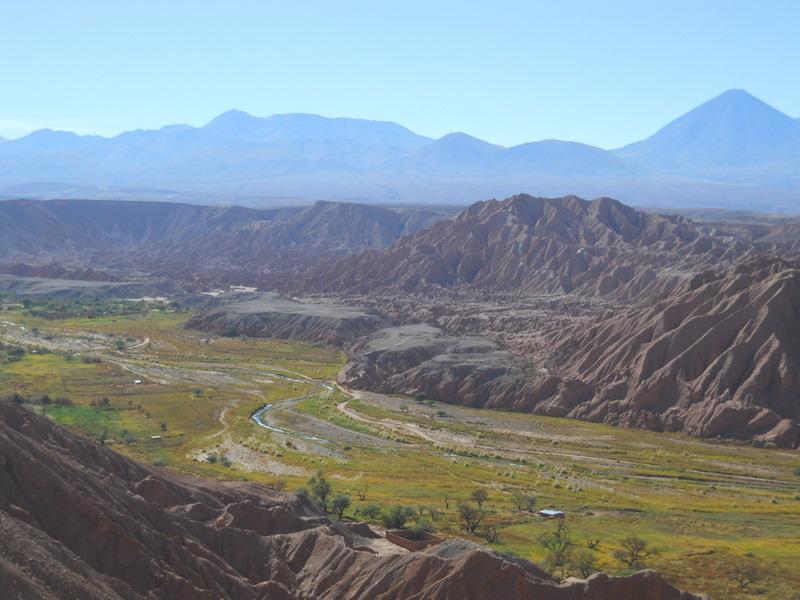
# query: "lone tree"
x,y
362,493
469,517
558,545
634,552
320,489
523,501
479,496
584,562
339,504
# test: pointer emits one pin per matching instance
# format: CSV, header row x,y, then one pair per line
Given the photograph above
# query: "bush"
x,y
371,511
490,534
420,530
339,504
320,489
584,562
396,516
469,517
159,462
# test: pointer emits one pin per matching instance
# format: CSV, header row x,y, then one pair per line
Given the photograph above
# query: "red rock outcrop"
x,y
600,248
719,357
80,521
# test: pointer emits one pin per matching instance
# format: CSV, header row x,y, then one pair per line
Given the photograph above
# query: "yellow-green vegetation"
x,y
712,510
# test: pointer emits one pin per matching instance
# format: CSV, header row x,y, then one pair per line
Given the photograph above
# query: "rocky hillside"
x,y
719,357
153,236
600,248
80,521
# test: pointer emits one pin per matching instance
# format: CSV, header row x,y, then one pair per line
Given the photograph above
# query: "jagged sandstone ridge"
x,y
79,520
600,248
720,357
264,314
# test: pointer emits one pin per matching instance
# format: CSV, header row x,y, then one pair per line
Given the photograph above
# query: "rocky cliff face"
x,y
80,521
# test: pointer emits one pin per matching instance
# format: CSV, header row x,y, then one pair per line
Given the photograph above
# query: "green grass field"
x,y
708,508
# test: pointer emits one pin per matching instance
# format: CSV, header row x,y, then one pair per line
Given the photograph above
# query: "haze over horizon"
x,y
516,73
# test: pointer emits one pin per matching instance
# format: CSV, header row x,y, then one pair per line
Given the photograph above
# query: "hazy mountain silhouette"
x,y
732,131
698,159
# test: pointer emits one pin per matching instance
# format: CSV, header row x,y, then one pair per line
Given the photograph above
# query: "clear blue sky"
x,y
603,72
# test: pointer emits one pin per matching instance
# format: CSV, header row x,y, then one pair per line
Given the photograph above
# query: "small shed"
x,y
551,513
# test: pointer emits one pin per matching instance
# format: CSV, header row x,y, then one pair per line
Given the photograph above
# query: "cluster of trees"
x,y
474,515
10,353
321,491
562,552
54,308
42,400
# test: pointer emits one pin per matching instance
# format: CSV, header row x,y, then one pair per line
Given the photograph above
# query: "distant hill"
x,y
734,151
601,248
171,237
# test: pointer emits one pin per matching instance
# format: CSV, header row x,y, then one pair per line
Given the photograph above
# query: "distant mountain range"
x,y
733,151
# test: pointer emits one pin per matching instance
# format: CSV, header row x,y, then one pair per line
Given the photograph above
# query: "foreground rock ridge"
x,y
78,520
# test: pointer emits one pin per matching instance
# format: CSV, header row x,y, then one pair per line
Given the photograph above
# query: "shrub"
x,y
420,530
339,504
159,462
320,489
584,562
490,534
371,511
396,516
469,517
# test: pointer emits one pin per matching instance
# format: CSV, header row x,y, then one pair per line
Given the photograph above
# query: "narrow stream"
x,y
258,416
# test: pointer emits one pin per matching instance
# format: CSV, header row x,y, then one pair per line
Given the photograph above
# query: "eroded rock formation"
x,y
78,520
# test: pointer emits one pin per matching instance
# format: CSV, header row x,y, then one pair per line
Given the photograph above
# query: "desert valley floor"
x,y
174,397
